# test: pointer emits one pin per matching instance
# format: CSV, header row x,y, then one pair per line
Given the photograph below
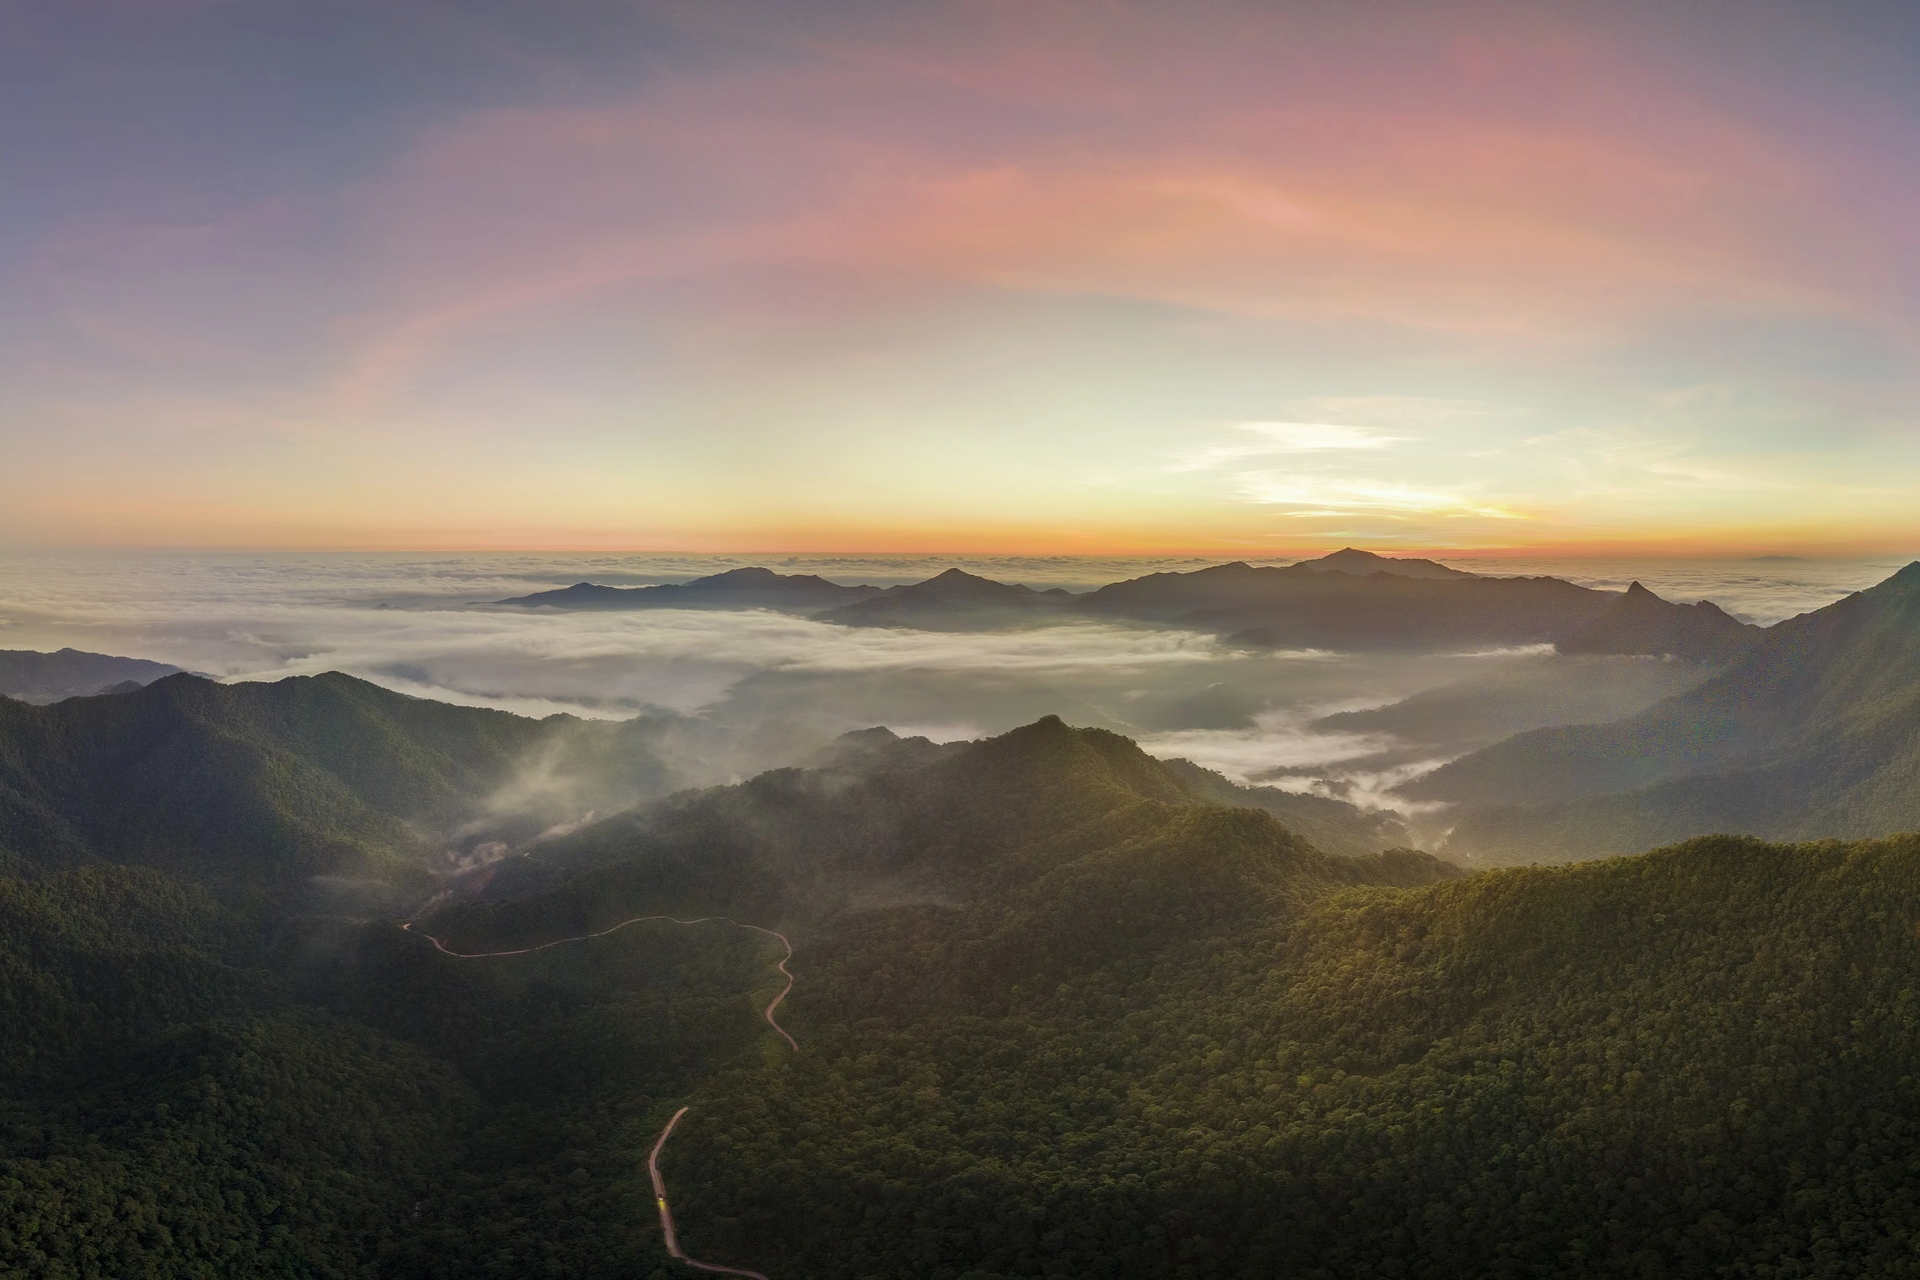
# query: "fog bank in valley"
x,y
717,695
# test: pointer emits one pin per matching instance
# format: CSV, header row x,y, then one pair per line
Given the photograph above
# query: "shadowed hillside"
x,y
1815,732
1687,1063
1641,622
271,784
68,673
897,824
1059,1013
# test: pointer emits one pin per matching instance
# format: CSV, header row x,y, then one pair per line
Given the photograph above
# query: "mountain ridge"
x,y
1059,1016
1352,560
1814,731
1350,600
1640,622
36,677
270,783
1297,606
948,599
747,587
803,843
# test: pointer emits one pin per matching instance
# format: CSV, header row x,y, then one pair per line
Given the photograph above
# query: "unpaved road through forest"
x,y
666,1214
653,1158
766,1013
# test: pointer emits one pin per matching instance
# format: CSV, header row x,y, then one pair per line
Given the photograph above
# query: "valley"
x,y
1066,1009
314,970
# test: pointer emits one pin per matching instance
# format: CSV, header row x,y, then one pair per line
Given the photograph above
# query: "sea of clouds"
x,y
780,684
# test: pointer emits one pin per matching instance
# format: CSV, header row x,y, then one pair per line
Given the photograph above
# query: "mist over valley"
x,y
959,967
746,687
1070,641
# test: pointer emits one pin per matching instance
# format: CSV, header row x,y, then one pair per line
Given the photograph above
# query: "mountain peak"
x,y
1640,622
948,599
1809,732
1352,560
743,576
1039,755
1908,576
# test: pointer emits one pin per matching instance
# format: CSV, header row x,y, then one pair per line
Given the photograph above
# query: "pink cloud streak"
x,y
1404,196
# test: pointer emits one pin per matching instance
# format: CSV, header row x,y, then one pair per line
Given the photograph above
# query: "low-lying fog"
x,y
758,689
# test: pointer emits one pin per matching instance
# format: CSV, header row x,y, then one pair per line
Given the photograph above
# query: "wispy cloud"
x,y
788,278
1697,477
1627,461
1278,739
1265,439
1316,495
1403,412
267,619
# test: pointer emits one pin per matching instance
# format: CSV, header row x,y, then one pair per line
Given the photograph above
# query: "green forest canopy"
x,y
1059,1017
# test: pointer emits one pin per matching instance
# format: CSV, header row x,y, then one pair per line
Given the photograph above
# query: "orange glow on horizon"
x,y
1492,281
963,543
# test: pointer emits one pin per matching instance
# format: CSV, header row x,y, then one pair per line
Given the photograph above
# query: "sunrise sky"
x,y
1103,277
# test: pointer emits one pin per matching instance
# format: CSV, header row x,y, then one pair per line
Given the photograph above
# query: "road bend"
x,y
766,1013
666,1213
653,1159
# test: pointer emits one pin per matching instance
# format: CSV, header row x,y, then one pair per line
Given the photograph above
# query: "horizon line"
x,y
1560,551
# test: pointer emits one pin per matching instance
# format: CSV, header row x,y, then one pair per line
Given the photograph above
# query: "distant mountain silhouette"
x,y
750,588
949,599
1814,732
1351,600
1641,622
70,673
1361,563
1497,700
1302,607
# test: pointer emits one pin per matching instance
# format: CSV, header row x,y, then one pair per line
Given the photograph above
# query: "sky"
x,y
1079,278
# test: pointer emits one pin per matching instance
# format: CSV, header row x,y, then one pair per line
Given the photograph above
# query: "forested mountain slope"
x,y
193,1087
273,783
1815,732
1059,1014
805,847
180,1099
1691,1063
1333,825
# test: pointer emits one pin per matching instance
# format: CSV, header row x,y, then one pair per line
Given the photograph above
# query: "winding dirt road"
x,y
653,1159
666,1214
766,1013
